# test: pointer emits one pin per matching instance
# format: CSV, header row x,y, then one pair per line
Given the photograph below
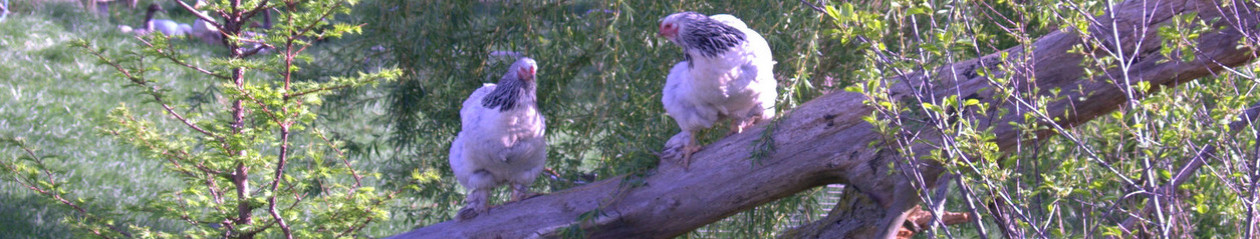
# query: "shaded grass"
x,y
62,97
55,97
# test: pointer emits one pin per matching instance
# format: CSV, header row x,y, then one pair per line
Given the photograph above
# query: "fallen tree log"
x,y
825,141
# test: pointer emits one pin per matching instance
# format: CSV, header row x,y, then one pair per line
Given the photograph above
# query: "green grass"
x,y
55,97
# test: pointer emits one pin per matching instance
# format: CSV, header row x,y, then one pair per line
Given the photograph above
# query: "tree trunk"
x,y
825,141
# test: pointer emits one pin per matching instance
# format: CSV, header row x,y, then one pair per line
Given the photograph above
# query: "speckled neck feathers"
x,y
511,92
708,37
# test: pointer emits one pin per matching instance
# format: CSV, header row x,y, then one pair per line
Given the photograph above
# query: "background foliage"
x,y
600,75
601,71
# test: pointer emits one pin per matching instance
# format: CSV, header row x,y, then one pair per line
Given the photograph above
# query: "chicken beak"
x,y
528,73
667,31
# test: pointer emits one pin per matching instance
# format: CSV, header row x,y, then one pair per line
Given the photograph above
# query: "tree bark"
x,y
825,141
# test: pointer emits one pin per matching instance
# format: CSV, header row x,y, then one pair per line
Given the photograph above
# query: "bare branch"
x,y
199,15
321,89
1187,171
53,193
156,95
813,6
826,141
178,61
281,160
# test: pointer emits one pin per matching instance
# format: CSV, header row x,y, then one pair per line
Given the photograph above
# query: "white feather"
x,y
205,31
738,84
496,147
729,20
166,27
509,145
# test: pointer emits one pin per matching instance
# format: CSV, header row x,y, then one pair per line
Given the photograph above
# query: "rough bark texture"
x,y
920,219
826,141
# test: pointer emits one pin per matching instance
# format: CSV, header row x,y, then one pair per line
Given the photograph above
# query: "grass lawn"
x,y
55,97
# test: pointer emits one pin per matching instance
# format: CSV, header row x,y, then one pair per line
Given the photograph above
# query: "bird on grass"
x,y
165,26
727,74
205,30
501,139
4,9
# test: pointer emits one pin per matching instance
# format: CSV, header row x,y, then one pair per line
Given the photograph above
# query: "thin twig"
x,y
200,15
177,61
281,160
327,88
54,194
360,226
341,155
813,6
153,92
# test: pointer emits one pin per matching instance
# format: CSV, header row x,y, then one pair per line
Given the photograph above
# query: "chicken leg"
x,y
477,203
521,192
683,143
689,148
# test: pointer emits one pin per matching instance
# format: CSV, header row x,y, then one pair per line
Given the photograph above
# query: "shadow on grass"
x,y
26,215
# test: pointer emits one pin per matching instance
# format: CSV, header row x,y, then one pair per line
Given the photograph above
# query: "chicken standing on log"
x,y
727,74
501,139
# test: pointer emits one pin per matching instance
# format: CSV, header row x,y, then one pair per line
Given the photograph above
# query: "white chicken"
x,y
501,141
4,9
166,27
204,30
727,74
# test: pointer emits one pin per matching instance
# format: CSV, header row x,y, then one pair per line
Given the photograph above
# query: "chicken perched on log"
x,y
727,74
501,140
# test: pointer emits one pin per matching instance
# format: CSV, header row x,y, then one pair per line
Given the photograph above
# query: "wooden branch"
x,y
281,161
199,14
922,219
825,141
